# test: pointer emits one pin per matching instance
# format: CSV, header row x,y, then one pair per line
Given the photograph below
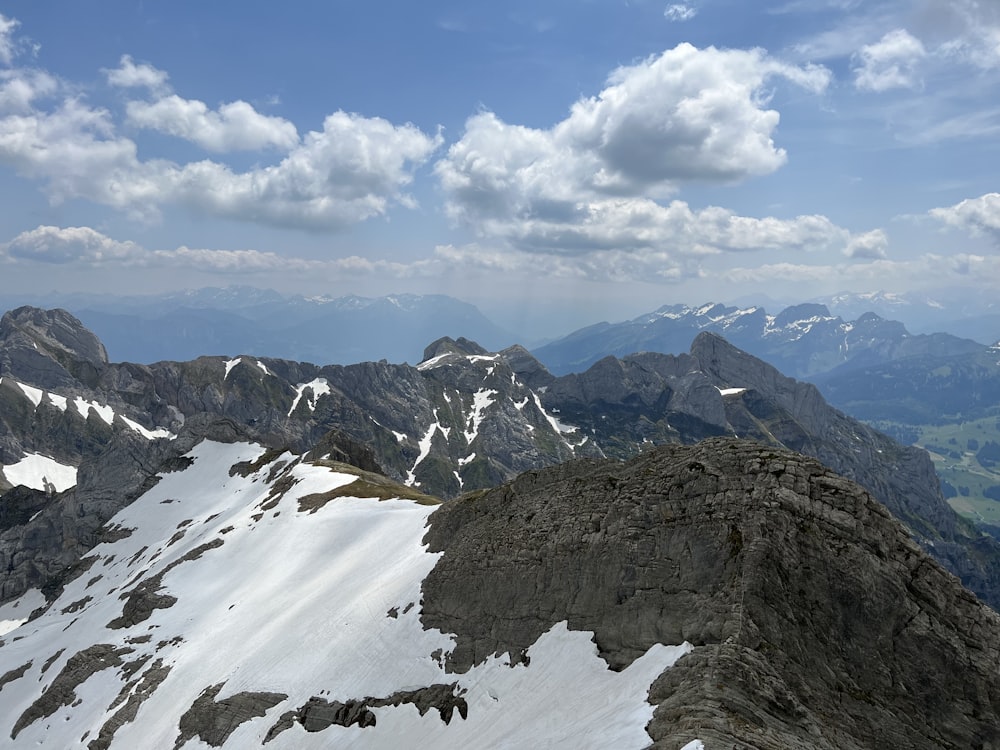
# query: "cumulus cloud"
x,y
890,63
592,181
680,12
349,171
20,89
47,244
130,75
235,126
345,173
974,215
872,245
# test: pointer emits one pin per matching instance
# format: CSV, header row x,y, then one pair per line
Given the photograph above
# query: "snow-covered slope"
x,y
254,597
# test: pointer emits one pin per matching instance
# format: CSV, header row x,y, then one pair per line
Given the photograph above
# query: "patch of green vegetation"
x,y
367,484
969,477
246,468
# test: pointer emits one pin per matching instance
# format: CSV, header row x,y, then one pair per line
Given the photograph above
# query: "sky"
x,y
546,161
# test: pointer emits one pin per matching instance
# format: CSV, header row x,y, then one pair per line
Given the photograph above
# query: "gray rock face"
x,y
213,721
50,348
900,477
816,621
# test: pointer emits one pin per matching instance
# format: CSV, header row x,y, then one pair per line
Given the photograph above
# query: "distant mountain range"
x,y
965,312
324,330
347,329
803,341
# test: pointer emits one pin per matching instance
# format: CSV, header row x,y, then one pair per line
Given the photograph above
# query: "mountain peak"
x,y
448,345
805,311
49,348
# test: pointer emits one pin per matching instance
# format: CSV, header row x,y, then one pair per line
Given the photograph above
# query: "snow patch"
x,y
105,412
35,394
425,448
433,362
159,432
319,387
41,473
552,420
15,613
322,603
481,400
731,391
230,364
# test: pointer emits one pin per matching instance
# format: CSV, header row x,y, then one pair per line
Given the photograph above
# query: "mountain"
x,y
803,341
463,419
932,390
186,325
964,311
728,594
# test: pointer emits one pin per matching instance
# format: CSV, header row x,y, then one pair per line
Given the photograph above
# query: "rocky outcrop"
x,y
213,721
62,691
318,713
816,621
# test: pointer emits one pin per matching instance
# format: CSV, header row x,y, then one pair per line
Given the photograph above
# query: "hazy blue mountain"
x,y
185,325
964,312
803,340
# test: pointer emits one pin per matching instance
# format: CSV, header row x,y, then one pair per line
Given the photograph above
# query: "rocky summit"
x,y
721,595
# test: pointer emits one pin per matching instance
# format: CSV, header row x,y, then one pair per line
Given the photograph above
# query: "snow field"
x,y
297,602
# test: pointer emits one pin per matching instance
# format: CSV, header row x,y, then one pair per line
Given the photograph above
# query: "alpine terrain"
x,y
688,551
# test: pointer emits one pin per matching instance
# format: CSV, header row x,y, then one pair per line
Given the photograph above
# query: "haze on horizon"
x,y
600,159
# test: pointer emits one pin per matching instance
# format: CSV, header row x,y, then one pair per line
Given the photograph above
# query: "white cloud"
x,y
975,27
974,215
680,12
7,43
235,126
872,245
592,181
889,63
130,75
19,89
963,268
348,172
48,244
84,247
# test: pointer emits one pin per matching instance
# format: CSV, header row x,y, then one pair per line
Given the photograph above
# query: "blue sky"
x,y
596,158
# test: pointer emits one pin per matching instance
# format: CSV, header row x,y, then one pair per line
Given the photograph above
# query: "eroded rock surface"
x,y
816,621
